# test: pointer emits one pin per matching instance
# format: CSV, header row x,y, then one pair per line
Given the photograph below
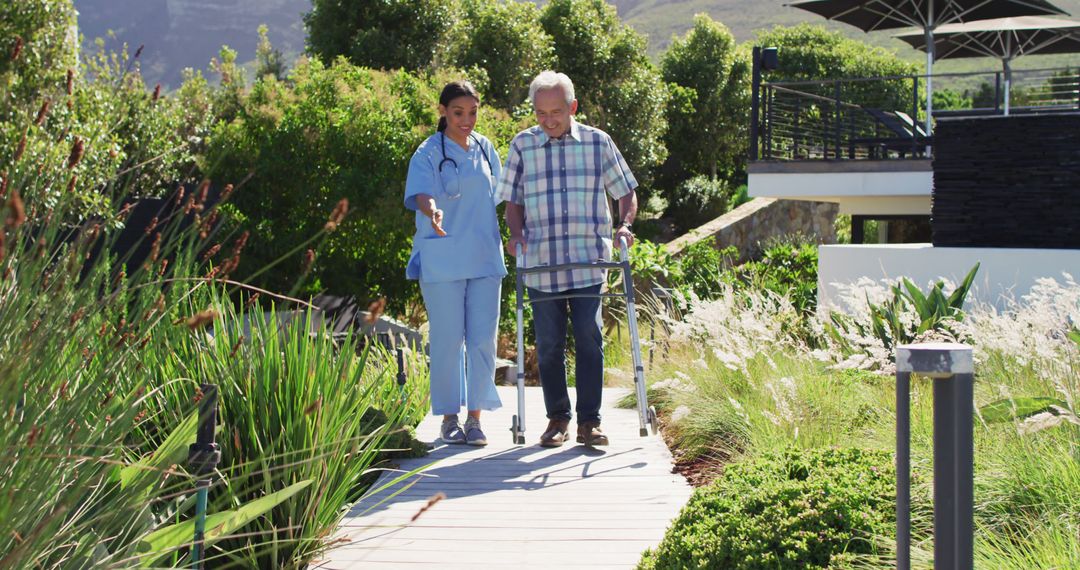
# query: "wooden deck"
x,y
521,506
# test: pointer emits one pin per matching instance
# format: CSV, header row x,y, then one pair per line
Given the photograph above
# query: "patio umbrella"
x,y
1003,38
874,15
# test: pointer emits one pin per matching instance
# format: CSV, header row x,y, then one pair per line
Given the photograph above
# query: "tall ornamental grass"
x,y
101,356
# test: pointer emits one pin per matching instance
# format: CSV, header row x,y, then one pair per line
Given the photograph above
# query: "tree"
x,y
268,59
390,34
618,89
707,124
947,99
812,53
506,40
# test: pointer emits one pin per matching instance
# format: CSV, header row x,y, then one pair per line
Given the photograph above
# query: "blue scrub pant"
x,y
464,320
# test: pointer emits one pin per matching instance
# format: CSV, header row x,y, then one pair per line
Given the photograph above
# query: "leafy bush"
x,y
702,267
698,200
37,46
787,267
792,509
947,99
132,142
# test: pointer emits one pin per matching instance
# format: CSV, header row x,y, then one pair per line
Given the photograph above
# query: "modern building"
x,y
1001,191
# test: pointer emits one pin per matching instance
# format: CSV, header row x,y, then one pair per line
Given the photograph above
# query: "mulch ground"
x,y
698,471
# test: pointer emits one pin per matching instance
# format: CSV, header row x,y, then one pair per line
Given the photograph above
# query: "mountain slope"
x,y
187,33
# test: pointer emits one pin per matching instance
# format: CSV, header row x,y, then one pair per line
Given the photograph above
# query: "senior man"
x,y
556,182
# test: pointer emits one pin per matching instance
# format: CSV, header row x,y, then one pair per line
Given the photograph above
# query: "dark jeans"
x,y
549,318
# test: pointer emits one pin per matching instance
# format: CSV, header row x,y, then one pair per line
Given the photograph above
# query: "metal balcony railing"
x,y
883,118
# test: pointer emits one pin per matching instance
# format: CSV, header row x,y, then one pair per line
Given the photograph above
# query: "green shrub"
x,y
787,267
698,200
37,46
702,266
793,509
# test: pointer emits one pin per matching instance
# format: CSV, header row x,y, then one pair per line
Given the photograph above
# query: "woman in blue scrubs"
x,y
457,256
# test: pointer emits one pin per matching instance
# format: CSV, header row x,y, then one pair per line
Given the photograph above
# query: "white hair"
x,y
551,80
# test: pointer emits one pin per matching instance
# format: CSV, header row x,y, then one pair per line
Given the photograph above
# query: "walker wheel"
x,y
514,429
654,422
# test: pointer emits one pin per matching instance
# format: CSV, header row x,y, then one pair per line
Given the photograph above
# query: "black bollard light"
x,y
951,366
401,369
203,457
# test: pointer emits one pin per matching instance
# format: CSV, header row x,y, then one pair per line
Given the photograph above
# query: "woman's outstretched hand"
x,y
436,222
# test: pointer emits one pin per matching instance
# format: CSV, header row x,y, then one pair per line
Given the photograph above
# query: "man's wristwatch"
x,y
624,225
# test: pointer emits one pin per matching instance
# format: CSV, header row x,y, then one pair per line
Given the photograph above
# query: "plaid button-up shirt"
x,y
563,185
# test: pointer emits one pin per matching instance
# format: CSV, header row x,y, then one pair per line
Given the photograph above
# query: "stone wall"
x,y
1007,182
751,224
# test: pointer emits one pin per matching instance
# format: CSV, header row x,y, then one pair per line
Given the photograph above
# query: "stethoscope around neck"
x,y
452,187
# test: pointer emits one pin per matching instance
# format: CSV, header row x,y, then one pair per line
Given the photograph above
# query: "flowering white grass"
x,y
1031,329
735,327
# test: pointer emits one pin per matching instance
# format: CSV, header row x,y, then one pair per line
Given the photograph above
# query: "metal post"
x,y
931,55
203,457
755,102
795,132
997,92
517,427
836,120
903,470
952,370
1008,83
851,135
766,143
914,116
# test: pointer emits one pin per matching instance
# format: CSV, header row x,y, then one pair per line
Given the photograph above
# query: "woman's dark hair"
x,y
452,91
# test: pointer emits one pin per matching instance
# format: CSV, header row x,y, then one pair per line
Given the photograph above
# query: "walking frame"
x,y
646,413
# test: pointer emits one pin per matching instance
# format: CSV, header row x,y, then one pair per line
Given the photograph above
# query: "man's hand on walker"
x,y
511,245
436,222
624,231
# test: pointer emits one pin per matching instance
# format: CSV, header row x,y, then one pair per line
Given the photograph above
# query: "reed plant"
x,y
102,351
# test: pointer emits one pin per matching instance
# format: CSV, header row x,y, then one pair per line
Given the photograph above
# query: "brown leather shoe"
x,y
556,433
589,433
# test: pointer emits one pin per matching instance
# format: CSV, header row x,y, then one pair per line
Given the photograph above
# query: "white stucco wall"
x,y
1003,274
861,193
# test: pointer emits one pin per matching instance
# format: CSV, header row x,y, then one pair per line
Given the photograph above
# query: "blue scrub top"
x,y
472,247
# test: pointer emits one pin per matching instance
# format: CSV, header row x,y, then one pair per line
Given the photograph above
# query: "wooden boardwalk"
x,y
520,506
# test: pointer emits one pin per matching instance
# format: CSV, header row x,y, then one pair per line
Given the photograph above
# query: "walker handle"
x,y
622,248
517,257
